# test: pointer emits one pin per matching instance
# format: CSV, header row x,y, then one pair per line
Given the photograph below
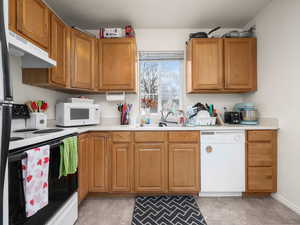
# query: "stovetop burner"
x,y
45,131
16,138
25,130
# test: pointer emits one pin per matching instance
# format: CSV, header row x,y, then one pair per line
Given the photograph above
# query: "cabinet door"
x,y
150,168
83,167
184,168
240,63
99,162
33,21
59,51
261,179
121,164
117,63
82,61
206,64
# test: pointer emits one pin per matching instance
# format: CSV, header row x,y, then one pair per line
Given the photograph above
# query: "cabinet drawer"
x,y
260,135
184,136
260,154
150,136
121,136
260,179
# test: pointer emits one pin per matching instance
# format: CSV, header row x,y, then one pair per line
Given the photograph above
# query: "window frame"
x,y
182,81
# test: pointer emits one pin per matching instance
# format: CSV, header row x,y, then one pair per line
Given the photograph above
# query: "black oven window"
x,y
79,114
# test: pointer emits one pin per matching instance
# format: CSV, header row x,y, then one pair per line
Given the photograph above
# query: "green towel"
x,y
68,157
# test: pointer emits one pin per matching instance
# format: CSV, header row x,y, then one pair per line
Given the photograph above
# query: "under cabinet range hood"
x,y
32,56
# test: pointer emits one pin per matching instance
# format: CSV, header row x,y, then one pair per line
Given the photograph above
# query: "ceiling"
x,y
92,14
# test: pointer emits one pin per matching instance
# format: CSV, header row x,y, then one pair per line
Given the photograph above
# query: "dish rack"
x,y
207,121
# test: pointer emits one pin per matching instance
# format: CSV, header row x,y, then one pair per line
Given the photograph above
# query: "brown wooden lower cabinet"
x,y
121,163
150,168
164,162
184,168
261,171
83,166
98,162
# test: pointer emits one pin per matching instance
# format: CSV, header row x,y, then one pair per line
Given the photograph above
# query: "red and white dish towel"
x,y
35,169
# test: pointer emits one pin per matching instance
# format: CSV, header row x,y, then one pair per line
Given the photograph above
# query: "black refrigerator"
x,y
6,101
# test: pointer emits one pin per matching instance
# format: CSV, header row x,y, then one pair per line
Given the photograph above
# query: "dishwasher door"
x,y
223,162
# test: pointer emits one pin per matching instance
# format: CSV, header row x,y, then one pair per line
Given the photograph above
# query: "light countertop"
x,y
109,124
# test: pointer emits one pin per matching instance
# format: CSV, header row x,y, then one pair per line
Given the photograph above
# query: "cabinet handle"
x,y
209,149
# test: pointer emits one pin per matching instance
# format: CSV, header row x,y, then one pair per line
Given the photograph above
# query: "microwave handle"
x,y
23,155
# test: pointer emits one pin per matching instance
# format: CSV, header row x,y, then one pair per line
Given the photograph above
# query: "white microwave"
x,y
77,114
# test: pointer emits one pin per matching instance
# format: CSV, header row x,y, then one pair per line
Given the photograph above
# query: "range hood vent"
x,y
32,56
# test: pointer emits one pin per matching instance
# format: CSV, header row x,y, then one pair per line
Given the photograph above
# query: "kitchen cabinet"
x,y
117,64
98,160
240,63
221,65
83,166
32,26
60,52
150,171
261,171
184,161
83,58
57,77
121,159
204,64
184,168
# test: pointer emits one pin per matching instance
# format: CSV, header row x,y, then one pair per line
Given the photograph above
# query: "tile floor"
x,y
217,211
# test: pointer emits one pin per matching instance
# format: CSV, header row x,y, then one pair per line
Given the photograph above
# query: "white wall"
x,y
168,40
23,92
278,35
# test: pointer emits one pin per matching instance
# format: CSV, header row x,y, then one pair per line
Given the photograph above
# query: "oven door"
x,y
60,190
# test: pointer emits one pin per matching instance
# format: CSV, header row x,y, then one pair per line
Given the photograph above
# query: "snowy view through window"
x,y
160,84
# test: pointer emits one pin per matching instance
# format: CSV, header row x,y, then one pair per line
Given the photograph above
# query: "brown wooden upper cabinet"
x,y
117,64
57,77
31,20
221,65
205,64
60,52
83,57
240,63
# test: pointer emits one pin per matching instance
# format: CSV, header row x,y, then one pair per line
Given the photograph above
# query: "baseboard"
x,y
286,202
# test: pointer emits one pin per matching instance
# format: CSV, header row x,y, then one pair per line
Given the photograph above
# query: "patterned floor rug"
x,y
167,210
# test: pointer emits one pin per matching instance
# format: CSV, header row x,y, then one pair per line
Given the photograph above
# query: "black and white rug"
x,y
167,210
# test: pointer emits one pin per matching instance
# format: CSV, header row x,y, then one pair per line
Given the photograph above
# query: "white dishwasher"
x,y
222,163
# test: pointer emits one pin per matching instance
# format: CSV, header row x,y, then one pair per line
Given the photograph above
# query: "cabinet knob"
x,y
209,149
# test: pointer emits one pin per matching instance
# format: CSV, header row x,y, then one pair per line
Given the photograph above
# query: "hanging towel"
x,y
35,170
68,157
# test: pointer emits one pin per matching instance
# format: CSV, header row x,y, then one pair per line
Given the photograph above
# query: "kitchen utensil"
x,y
248,112
34,106
203,34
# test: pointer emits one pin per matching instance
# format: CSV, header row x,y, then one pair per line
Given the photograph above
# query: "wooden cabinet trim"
x,y
184,136
121,136
150,136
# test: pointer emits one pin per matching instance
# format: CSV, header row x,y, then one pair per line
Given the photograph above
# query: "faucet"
x,y
164,117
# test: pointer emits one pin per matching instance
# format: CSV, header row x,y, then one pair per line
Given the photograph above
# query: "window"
x,y
161,80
